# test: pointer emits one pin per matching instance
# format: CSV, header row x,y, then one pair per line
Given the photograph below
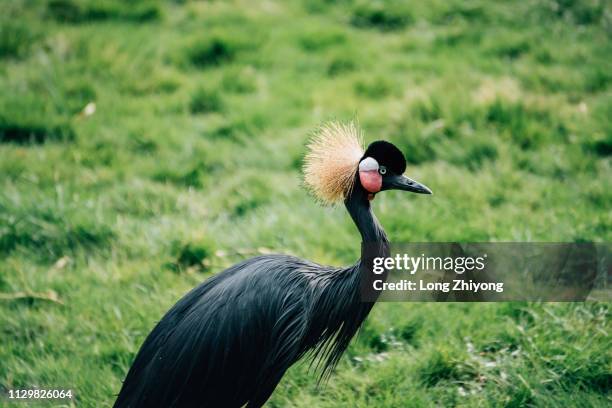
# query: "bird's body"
x,y
229,341
225,343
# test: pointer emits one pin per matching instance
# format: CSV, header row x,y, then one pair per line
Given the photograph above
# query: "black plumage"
x,y
388,155
229,341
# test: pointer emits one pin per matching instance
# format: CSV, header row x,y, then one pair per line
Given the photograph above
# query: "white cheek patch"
x,y
368,164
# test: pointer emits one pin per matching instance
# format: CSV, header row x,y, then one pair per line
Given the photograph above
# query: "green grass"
x,y
191,161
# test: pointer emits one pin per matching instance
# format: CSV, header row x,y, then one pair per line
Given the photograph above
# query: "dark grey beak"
x,y
404,183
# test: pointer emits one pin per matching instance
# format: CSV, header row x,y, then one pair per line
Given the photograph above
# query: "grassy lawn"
x,y
145,147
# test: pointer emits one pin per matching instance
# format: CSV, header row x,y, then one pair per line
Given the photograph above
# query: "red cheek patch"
x,y
371,180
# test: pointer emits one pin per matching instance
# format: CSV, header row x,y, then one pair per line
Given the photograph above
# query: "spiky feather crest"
x,y
332,161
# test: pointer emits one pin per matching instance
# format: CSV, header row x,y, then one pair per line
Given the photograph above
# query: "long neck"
x,y
360,210
341,306
374,244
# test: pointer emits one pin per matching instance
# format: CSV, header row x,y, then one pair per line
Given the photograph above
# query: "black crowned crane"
x,y
228,342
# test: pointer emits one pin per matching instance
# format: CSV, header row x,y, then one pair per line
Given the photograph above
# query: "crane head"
x,y
382,168
336,160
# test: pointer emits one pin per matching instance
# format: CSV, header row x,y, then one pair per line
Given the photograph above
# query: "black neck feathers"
x,y
358,206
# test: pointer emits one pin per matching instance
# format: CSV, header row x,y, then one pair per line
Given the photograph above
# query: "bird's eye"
x,y
382,170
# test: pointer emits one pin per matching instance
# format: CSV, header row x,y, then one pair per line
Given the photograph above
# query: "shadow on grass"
x,y
70,11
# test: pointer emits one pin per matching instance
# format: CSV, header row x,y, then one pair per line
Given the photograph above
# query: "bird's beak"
x,y
396,182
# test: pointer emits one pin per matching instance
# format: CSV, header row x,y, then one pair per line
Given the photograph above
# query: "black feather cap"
x,y
386,154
